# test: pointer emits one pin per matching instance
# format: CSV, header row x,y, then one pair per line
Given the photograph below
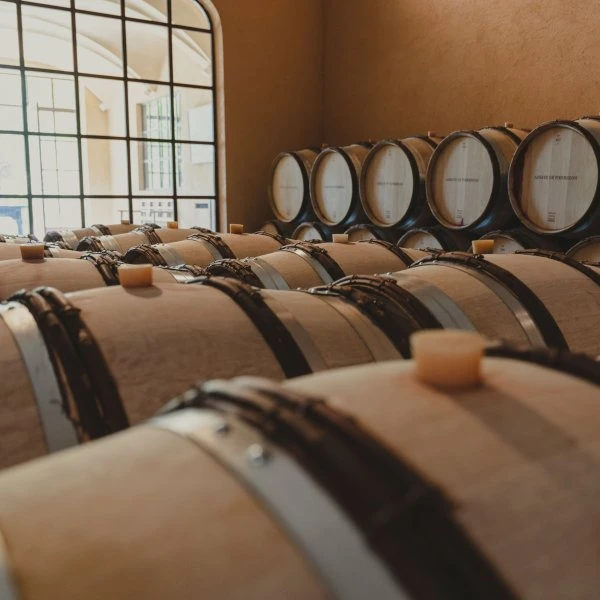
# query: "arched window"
x,y
107,112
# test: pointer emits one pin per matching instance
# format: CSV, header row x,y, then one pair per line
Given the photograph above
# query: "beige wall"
x,y
397,67
273,93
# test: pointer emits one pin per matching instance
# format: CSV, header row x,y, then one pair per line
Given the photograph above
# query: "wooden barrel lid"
x,y
553,180
588,250
311,231
420,239
289,187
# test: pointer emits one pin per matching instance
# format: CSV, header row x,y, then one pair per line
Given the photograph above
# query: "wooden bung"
x,y
448,359
340,238
134,276
509,125
432,134
125,222
32,251
172,225
236,228
482,246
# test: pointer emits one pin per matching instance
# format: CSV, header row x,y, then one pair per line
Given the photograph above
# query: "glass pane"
x,y
105,167
152,168
156,10
106,211
149,110
51,103
197,213
108,7
99,45
197,176
11,109
14,216
192,57
54,213
153,210
9,40
54,165
47,38
65,3
102,103
190,14
13,174
194,107
147,51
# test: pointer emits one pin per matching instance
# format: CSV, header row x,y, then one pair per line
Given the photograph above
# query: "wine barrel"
x,y
289,190
17,239
343,460
533,297
366,231
587,250
277,228
70,275
312,231
12,251
141,235
77,366
203,248
466,179
554,178
334,190
509,241
304,265
72,237
392,182
434,238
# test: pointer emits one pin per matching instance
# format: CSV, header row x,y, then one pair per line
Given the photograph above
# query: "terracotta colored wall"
x,y
273,93
397,67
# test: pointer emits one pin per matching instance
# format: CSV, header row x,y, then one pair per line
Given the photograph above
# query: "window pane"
x,y
65,3
190,14
14,216
11,110
198,170
102,103
151,210
196,114
51,103
47,38
106,211
108,7
99,33
9,41
105,167
192,57
54,213
155,11
13,174
147,51
197,213
54,165
149,110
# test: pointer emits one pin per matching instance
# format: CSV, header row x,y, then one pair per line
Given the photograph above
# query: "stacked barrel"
x,y
378,407
520,189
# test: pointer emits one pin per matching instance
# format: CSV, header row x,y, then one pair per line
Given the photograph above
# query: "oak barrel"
x,y
289,189
554,178
334,191
12,251
312,231
488,493
435,238
203,248
277,228
392,182
304,265
83,365
587,250
72,237
466,180
17,239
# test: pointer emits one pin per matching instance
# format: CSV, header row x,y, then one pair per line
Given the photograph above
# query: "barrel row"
x,y
473,514
474,181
